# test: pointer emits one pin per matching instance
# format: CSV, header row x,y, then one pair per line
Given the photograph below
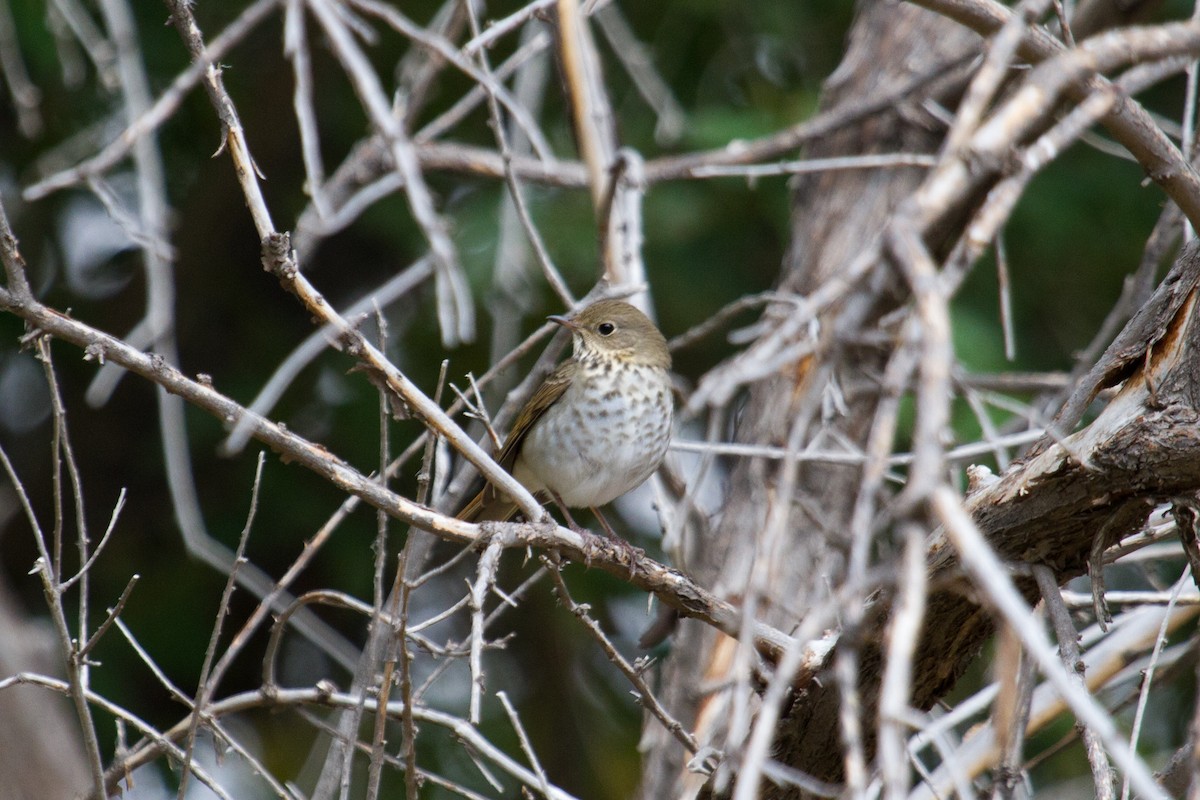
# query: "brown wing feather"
x,y
491,504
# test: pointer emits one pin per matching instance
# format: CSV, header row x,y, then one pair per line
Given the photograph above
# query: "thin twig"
x,y
1148,675
206,689
1068,648
644,694
514,189
489,562
907,618
456,313
526,747
75,689
988,572
113,613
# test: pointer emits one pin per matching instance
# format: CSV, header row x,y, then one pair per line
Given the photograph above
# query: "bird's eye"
x,y
606,328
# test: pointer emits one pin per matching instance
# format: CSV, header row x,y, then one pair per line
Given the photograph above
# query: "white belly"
x,y
590,452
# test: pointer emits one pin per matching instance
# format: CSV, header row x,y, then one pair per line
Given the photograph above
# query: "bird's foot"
x,y
592,549
627,553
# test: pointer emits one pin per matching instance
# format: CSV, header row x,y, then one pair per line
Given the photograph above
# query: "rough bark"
x,y
1102,483
835,216
1049,510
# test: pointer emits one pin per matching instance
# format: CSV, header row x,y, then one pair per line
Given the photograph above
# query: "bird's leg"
x,y
571,523
607,528
632,553
589,548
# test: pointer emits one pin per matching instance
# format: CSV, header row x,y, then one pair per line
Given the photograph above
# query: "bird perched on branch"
x,y
598,426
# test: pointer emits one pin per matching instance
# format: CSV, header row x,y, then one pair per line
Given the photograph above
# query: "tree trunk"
x,y
831,396
1066,502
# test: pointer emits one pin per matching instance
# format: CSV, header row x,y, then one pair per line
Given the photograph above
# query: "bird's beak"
x,y
569,324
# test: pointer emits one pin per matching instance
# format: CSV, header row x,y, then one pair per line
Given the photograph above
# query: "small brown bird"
x,y
598,426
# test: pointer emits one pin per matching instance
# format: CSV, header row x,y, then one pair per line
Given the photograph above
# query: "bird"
x,y
598,426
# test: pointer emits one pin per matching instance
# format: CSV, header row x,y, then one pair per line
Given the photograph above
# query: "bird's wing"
x,y
549,393
490,504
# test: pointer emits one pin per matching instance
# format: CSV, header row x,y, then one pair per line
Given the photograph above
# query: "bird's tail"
x,y
489,506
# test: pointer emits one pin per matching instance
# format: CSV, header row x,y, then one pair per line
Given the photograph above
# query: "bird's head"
x,y
615,329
